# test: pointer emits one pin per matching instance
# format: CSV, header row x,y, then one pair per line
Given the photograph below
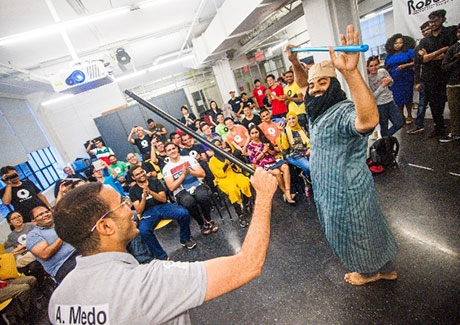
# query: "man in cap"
x,y
344,189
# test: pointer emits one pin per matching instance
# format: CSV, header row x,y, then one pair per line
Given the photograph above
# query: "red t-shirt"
x,y
278,106
259,95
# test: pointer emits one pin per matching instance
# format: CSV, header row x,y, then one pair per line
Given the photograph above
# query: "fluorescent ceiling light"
x,y
170,63
56,100
278,46
131,75
376,13
58,27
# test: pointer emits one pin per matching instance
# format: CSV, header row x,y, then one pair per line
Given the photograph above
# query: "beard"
x,y
315,106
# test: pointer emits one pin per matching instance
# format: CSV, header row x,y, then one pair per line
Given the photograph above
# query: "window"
x,y
374,34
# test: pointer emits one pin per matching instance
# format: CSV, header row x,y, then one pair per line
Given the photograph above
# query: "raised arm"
x,y
228,273
347,63
300,75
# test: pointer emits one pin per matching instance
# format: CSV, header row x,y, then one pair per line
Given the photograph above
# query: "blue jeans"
x,y
302,163
419,121
389,112
152,216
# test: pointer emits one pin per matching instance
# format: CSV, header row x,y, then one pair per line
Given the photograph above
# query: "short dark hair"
x,y
437,13
256,81
270,76
6,169
171,144
220,113
172,135
112,155
76,213
372,58
132,169
150,120
242,94
228,118
425,25
263,110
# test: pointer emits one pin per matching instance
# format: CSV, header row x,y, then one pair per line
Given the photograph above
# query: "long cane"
x,y
189,131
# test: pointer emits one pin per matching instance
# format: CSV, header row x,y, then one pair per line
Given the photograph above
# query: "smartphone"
x,y
98,164
283,120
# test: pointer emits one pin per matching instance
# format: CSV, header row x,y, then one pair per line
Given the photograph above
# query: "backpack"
x,y
384,151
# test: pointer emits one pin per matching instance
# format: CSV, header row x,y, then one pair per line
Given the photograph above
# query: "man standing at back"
x,y
276,93
294,99
117,290
259,93
344,190
434,79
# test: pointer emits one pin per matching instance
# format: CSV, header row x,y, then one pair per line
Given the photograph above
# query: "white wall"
x,y
69,123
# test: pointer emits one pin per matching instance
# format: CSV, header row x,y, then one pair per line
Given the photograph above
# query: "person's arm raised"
x,y
300,75
347,63
228,273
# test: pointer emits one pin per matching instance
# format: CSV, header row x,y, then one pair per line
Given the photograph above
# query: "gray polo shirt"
x,y
113,288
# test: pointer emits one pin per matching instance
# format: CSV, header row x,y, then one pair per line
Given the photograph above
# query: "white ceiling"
x,y
147,34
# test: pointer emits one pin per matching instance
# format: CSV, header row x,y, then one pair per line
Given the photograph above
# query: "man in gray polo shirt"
x,y
112,286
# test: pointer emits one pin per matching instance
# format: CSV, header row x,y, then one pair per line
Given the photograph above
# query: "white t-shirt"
x,y
174,170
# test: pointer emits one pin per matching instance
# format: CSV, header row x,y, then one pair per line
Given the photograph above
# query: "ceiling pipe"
x,y
197,15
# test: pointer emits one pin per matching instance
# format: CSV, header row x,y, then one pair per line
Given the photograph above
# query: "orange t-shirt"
x,y
270,130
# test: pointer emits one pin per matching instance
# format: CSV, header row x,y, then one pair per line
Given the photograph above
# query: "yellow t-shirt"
x,y
293,107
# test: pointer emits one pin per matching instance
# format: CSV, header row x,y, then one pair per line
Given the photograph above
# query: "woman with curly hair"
x,y
400,62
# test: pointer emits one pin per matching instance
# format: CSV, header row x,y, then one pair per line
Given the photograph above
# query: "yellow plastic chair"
x,y
163,223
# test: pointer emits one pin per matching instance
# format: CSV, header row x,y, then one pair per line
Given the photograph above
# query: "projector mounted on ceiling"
x,y
81,77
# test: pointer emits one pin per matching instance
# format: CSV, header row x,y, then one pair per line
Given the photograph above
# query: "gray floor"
x,y
302,280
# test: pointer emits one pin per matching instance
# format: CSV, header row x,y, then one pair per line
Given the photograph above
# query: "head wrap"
x,y
322,69
296,128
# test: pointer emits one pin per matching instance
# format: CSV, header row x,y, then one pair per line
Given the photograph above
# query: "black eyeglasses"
x,y
125,200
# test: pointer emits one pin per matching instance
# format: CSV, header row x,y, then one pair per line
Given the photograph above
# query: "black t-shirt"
x,y
143,144
194,151
235,104
255,120
135,193
24,198
431,71
248,103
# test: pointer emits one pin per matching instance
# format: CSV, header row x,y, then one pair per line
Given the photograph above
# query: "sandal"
x,y
211,225
205,230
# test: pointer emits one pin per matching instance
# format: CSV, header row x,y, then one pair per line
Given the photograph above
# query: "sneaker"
x,y
189,244
243,221
450,138
416,130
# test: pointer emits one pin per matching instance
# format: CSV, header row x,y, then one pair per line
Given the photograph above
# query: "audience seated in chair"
x,y
181,175
56,256
232,183
149,199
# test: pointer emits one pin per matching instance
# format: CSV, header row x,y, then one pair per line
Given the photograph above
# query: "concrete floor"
x,y
302,280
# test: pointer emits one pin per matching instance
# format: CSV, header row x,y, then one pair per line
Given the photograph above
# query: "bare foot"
x,y
357,279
